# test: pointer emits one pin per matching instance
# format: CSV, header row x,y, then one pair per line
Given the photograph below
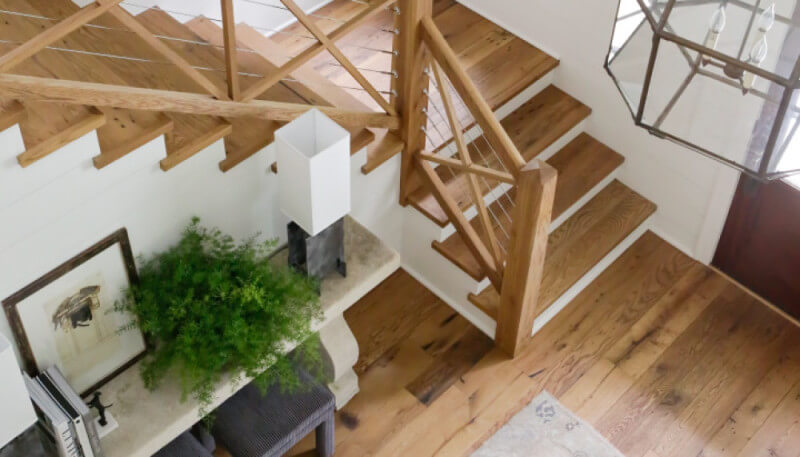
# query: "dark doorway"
x,y
760,244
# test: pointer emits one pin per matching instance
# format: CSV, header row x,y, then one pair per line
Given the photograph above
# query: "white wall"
x,y
692,192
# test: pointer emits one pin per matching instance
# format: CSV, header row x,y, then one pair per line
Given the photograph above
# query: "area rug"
x,y
548,429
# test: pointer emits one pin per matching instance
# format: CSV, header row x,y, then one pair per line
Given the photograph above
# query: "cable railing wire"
x,y
259,28
492,189
166,62
319,16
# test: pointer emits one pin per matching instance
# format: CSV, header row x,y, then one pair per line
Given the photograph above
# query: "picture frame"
x,y
67,318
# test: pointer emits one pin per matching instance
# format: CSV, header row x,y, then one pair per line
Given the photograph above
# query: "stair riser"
x,y
590,276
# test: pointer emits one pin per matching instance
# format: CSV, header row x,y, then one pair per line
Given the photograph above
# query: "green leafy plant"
x,y
211,307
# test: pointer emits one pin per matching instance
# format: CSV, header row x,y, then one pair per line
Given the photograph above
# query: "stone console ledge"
x,y
149,420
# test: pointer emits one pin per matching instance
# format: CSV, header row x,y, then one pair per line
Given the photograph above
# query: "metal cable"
x,y
165,62
492,189
263,29
319,16
483,179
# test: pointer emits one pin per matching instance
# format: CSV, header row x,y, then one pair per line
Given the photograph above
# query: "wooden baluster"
x,y
536,187
231,59
411,63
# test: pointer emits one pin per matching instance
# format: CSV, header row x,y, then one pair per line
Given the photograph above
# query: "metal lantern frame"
x,y
706,55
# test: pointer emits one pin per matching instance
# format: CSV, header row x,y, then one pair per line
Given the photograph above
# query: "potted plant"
x,y
210,307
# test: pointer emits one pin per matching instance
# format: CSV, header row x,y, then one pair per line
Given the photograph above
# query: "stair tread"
x,y
533,127
581,165
501,64
123,128
581,242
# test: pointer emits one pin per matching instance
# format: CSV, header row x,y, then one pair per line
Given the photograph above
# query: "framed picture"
x,y
67,318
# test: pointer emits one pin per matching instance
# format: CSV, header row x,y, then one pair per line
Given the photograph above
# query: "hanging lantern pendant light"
x,y
677,80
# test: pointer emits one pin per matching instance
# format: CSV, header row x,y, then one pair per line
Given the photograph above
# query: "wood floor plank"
x,y
665,390
751,414
375,324
725,389
455,361
664,357
644,342
780,434
431,429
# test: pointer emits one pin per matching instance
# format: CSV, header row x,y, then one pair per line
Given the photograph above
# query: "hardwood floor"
x,y
662,355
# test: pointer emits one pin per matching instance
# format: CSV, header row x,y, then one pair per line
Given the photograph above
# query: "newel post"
x,y
536,187
412,59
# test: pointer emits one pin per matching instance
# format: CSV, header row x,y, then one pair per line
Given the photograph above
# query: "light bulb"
x,y
759,51
767,19
757,55
717,22
715,26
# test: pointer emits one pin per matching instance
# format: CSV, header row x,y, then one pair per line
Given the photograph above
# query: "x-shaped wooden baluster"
x,y
338,55
466,160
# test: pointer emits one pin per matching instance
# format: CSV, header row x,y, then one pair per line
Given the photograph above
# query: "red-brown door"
x,y
760,244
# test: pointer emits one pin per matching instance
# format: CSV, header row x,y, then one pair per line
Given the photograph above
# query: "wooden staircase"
x,y
46,127
594,216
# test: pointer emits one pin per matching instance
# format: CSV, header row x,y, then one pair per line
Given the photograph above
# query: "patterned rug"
x,y
545,428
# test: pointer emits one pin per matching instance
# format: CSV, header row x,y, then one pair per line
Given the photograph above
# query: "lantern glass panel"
x,y
628,59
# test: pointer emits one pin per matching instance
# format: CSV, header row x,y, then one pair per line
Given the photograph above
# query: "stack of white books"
x,y
65,418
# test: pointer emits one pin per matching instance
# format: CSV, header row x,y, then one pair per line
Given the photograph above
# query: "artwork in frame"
x,y
66,318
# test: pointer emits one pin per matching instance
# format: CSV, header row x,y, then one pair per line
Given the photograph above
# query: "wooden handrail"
x,y
481,111
296,62
54,33
460,222
519,293
125,97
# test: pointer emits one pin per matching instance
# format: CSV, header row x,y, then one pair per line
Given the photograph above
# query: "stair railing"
x,y
514,263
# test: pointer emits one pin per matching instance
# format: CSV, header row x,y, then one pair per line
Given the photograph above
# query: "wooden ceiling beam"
x,y
113,96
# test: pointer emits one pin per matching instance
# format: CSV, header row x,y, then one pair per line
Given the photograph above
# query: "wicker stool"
x,y
185,445
250,424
